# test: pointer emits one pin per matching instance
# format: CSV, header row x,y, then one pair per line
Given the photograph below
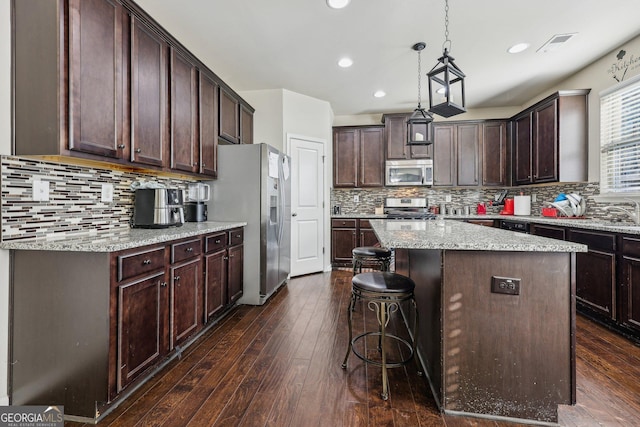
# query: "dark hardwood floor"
x,y
279,365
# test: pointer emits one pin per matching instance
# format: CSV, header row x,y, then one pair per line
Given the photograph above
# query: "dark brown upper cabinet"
x,y
495,154
395,137
550,139
457,154
208,115
184,110
358,156
149,128
100,80
229,124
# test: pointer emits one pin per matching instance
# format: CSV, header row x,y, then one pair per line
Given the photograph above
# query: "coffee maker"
x,y
196,207
158,208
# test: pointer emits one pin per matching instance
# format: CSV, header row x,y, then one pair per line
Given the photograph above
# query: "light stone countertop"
x,y
584,223
121,240
457,235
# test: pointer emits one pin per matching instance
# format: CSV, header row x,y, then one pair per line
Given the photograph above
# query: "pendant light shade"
x,y
446,87
419,125
446,80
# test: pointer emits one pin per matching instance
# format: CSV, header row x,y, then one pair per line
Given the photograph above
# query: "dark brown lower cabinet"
x,y
235,278
347,234
223,274
185,301
596,271
630,289
215,279
142,325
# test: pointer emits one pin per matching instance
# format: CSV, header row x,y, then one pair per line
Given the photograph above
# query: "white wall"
x,y
280,112
5,148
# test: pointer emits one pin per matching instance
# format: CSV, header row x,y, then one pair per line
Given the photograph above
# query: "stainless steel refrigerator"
x,y
254,185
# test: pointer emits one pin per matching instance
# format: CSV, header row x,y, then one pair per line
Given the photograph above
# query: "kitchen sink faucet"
x,y
635,215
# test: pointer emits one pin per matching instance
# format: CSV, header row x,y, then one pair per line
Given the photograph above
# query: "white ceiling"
x,y
295,45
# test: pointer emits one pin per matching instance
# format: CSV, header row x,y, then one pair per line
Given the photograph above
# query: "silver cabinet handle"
x,y
138,150
294,214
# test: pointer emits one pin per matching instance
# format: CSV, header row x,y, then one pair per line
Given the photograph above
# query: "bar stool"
x,y
370,254
383,291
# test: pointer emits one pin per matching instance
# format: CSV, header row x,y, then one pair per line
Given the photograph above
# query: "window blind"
x,y
620,138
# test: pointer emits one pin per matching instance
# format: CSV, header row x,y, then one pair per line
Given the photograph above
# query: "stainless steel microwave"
x,y
409,172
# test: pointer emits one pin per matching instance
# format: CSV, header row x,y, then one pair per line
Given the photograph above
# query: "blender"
x,y
195,207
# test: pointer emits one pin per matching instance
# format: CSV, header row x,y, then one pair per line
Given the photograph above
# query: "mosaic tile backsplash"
x,y
370,198
74,205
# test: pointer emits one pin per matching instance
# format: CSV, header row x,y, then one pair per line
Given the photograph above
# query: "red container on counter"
x,y
481,209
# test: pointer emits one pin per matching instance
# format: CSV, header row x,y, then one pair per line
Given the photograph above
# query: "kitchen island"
x,y
497,316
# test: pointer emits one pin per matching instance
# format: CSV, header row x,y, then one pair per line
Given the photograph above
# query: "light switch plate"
x,y
40,190
106,194
447,198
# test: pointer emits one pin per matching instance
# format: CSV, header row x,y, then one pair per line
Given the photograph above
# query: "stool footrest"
x,y
389,364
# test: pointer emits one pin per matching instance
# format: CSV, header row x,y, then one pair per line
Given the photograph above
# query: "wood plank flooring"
x,y
280,365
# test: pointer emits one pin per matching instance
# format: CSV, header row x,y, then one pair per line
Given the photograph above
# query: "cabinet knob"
x,y
121,146
146,262
177,278
225,258
163,284
138,150
218,241
231,256
189,249
203,165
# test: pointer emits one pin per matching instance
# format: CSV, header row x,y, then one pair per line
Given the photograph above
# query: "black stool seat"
x,y
383,282
371,251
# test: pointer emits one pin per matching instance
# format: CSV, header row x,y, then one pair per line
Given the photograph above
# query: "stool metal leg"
x,y
383,322
350,308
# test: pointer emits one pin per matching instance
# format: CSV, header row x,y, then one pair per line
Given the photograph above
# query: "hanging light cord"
x,y
419,81
446,27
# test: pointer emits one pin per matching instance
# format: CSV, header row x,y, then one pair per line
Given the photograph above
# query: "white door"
x,y
307,212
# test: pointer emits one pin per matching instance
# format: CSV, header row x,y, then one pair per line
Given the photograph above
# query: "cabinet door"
x,y
142,315
548,231
208,116
96,77
368,237
494,154
246,125
522,149
215,283
630,298
148,96
343,240
595,281
228,124
395,129
235,273
444,155
183,113
345,157
545,148
468,141
371,168
185,283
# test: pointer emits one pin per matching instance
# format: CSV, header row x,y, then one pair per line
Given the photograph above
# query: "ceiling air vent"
x,y
555,42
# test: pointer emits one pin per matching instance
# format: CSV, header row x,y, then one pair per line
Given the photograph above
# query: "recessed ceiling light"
x,y
379,93
345,62
517,48
337,4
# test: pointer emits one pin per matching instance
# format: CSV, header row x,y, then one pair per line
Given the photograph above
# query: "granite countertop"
x,y
585,223
456,235
121,240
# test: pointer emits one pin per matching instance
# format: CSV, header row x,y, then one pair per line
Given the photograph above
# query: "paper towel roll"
x,y
522,205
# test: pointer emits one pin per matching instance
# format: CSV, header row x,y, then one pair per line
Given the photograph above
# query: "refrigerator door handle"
x,y
281,203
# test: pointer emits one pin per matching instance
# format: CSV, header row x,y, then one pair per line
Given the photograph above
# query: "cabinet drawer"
x,y
185,250
548,231
215,242
236,236
136,263
602,241
343,223
631,247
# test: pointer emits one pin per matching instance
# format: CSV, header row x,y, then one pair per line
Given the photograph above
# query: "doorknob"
x,y
294,214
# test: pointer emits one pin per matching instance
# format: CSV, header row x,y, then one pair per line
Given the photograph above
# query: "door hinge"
x,y
323,159
323,249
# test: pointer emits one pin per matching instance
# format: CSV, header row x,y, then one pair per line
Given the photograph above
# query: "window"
x,y
620,138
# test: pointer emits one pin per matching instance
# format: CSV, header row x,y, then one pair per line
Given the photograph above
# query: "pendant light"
x,y
446,80
419,124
